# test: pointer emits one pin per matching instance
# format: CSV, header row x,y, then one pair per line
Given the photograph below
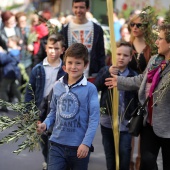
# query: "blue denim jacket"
x,y
37,82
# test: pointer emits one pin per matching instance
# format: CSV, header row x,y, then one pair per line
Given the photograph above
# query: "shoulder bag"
x,y
136,122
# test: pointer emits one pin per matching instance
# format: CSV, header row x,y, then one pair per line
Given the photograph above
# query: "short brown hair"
x,y
77,50
126,44
166,29
14,38
86,2
19,14
55,38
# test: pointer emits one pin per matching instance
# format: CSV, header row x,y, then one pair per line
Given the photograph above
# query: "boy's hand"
x,y
1,49
111,81
41,127
30,47
113,70
82,151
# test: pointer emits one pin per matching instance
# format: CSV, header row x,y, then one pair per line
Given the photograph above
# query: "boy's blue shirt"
x,y
74,113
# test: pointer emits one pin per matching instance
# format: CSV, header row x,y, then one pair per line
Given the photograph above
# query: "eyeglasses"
x,y
138,25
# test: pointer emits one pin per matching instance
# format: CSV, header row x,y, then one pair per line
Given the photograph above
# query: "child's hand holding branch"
x,y
41,127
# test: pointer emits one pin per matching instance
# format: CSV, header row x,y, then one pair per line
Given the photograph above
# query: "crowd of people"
x,y
64,63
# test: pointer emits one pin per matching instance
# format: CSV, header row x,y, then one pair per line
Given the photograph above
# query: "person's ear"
x,y
85,66
64,67
130,58
63,49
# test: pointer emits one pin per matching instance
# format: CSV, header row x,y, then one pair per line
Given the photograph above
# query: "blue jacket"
x,y
9,64
97,56
130,97
75,116
37,82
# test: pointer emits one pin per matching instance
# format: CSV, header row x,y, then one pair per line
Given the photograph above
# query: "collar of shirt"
x,y
81,81
124,73
46,63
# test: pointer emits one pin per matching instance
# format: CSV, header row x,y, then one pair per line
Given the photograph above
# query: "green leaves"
x,y
32,37
26,122
167,17
102,110
149,22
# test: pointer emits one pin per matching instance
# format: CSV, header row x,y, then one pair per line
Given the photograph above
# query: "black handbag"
x,y
135,124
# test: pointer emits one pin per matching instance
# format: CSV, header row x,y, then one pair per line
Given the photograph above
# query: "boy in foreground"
x,y
128,101
74,113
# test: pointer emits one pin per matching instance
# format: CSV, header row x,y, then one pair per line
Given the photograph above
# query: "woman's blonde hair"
x,y
134,17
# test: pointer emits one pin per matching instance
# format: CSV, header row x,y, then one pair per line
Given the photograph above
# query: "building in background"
x,y
98,7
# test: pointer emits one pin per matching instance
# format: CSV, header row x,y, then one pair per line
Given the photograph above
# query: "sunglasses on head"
x,y
138,25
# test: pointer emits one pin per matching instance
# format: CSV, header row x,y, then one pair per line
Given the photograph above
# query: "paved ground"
x,y
33,160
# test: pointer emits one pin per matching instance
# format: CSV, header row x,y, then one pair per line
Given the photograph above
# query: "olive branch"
x,y
149,24
26,121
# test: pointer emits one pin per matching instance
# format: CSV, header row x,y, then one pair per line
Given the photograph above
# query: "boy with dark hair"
x,y
75,116
86,2
43,77
127,103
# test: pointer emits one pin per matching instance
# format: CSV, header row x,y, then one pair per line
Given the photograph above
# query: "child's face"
x,y
11,43
125,34
54,51
74,67
123,57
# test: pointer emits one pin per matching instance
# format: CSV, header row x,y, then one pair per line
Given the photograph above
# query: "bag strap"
x,y
144,104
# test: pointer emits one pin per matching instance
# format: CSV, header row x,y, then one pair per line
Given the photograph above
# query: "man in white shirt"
x,y
81,30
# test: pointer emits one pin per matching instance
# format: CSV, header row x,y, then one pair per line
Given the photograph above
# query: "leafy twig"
x,y
149,22
26,121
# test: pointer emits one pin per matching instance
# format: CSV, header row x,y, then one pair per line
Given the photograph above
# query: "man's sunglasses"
x,y
138,25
